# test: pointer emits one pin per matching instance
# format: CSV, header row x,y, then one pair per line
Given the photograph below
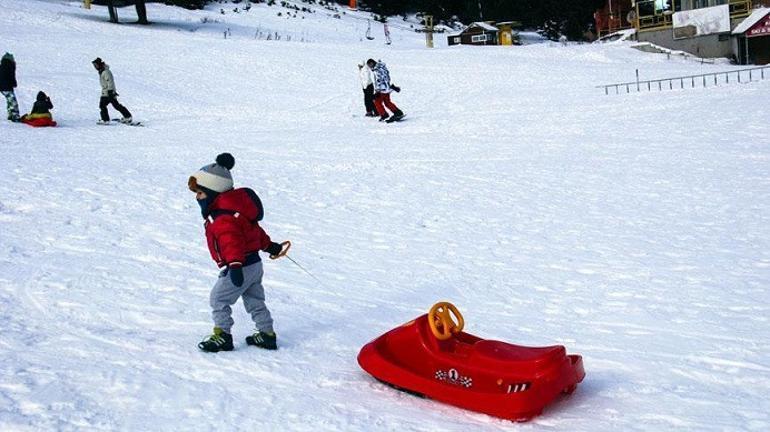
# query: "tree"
x,y
551,30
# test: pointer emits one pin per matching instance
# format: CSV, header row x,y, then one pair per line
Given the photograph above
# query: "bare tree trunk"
x,y
141,11
113,12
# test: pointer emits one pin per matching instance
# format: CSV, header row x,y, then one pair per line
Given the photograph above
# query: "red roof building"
x,y
752,37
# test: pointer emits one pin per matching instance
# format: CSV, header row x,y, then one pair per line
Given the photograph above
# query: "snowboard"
x,y
393,119
133,123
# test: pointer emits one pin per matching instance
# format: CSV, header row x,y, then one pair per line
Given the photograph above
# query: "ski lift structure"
x,y
429,29
385,28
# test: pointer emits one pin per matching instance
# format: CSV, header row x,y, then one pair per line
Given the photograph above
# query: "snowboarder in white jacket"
x,y
367,84
109,94
382,90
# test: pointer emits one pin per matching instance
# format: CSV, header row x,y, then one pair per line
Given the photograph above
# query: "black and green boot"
x,y
262,340
218,341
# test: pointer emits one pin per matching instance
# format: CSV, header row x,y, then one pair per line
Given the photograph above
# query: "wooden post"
x,y
429,31
353,5
637,80
87,4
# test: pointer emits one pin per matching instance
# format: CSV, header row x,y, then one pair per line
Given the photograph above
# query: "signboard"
x,y
762,28
701,22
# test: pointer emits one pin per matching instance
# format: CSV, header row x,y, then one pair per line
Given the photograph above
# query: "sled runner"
x,y
432,357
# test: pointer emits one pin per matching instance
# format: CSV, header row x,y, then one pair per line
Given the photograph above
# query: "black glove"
x,y
396,88
274,248
236,275
112,93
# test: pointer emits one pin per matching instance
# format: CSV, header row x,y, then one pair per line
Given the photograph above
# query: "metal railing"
x,y
691,81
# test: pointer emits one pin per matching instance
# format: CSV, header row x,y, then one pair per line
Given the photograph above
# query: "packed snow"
x,y
633,229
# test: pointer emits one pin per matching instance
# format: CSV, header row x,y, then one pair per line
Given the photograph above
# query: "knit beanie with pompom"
x,y
215,177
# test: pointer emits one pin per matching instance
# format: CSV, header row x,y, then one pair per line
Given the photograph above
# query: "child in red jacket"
x,y
234,239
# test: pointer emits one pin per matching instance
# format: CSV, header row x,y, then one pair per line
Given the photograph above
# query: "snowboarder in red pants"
x,y
382,90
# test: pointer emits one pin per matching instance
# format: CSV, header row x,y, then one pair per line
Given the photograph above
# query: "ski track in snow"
x,y
633,229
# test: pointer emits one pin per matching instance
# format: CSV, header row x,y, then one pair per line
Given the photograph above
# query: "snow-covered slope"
x,y
634,229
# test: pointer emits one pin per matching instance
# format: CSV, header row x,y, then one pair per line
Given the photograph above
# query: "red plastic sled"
x,y
39,122
431,357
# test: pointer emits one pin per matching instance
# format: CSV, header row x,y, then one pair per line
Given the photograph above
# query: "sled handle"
x,y
441,323
284,250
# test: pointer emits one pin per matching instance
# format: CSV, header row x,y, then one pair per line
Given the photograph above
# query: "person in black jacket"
x,y
43,104
7,84
41,112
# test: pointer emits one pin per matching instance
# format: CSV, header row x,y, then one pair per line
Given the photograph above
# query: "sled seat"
x,y
498,353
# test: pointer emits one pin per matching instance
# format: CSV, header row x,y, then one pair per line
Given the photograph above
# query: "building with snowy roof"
x,y
477,33
706,28
487,33
752,38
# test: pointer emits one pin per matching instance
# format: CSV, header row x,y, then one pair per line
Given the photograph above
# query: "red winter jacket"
x,y
232,228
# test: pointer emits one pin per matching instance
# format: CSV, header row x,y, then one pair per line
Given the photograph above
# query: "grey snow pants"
x,y
225,294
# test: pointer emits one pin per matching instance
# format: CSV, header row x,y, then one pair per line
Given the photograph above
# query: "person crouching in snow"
x,y
41,112
234,239
109,94
382,90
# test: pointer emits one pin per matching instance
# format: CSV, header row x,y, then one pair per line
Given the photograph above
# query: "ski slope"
x,y
633,229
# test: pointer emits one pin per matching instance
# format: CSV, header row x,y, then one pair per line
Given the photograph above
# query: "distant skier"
x,y
41,112
382,89
109,94
234,239
367,83
7,84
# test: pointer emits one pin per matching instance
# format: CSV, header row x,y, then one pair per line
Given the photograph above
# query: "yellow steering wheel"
x,y
441,323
